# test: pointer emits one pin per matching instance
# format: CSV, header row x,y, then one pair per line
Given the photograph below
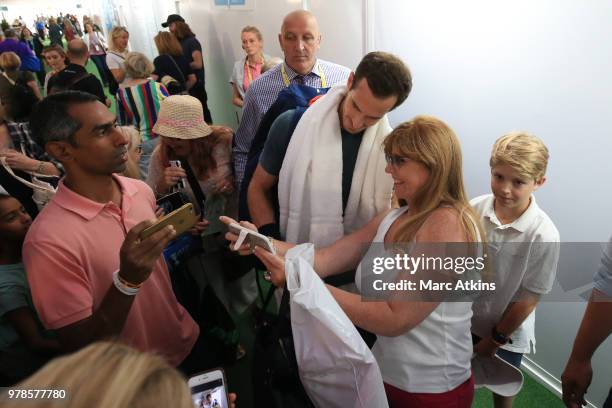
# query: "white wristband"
x,y
126,290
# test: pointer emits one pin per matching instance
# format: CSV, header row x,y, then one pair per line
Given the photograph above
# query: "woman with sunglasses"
x,y
424,346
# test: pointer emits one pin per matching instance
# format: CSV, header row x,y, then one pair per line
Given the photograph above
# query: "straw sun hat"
x,y
181,117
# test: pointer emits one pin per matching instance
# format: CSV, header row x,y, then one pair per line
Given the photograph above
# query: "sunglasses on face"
x,y
396,161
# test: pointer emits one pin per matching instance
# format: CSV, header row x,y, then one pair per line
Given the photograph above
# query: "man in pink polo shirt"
x,y
91,277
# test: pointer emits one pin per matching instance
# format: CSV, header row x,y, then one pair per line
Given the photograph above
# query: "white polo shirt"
x,y
524,254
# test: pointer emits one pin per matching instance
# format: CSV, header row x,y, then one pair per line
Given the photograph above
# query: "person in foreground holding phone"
x,y
106,281
424,160
209,390
107,374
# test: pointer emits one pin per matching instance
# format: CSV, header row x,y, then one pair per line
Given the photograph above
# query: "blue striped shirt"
x,y
261,95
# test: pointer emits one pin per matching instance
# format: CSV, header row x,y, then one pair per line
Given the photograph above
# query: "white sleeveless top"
x,y
433,357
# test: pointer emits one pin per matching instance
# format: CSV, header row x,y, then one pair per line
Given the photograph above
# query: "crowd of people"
x,y
313,160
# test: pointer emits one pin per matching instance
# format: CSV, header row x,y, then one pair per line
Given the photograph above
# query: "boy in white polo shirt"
x,y
523,247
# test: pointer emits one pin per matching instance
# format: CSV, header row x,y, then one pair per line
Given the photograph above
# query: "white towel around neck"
x,y
310,180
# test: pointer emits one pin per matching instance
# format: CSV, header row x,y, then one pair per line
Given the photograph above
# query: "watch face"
x,y
498,337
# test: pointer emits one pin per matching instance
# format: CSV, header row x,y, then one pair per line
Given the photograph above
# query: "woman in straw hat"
x,y
206,149
186,137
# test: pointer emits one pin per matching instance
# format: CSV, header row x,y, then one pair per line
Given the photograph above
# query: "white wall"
x,y
143,20
342,28
219,32
543,66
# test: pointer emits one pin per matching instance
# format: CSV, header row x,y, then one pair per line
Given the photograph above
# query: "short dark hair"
x,y
387,75
10,33
50,120
77,48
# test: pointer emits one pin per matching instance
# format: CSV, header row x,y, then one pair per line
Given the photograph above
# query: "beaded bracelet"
x,y
128,289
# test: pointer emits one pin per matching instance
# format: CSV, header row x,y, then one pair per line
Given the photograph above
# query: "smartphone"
x,y
180,184
252,237
182,219
171,202
208,389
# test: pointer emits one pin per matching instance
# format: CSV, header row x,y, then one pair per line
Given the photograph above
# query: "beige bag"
x,y
43,192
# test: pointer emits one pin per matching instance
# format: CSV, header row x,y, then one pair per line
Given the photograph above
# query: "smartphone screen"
x,y
210,394
171,202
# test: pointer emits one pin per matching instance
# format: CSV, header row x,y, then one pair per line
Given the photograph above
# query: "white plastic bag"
x,y
336,367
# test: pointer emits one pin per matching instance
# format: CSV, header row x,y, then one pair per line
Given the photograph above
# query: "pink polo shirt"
x,y
71,252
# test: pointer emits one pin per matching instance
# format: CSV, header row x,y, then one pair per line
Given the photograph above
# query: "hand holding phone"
x,y
253,238
180,184
138,256
233,234
209,389
182,219
173,176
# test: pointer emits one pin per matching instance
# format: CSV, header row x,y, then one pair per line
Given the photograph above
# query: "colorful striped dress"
x,y
138,106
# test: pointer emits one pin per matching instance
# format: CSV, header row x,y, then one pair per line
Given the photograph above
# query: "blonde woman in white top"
x,y
247,69
423,348
117,52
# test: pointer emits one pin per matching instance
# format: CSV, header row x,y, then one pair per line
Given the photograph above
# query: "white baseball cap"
x,y
496,375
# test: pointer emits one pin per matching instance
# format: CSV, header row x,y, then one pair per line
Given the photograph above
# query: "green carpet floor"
x,y
239,375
